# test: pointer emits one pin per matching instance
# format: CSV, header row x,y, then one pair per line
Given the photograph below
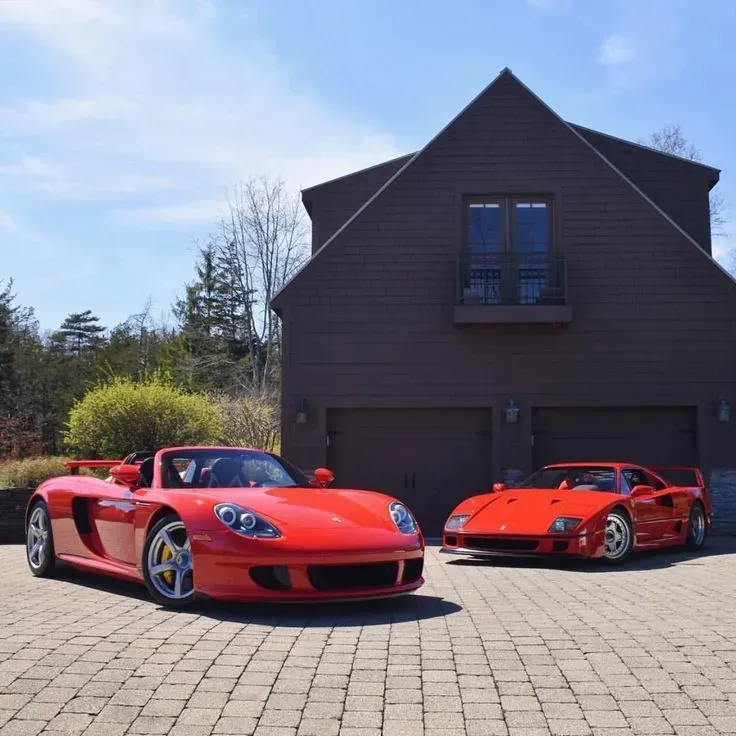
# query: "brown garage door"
x,y
428,458
646,436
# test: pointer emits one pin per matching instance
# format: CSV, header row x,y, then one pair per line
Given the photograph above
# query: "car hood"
x,y
531,511
309,508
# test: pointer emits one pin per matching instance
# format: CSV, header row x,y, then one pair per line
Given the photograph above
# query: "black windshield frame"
x,y
204,458
551,477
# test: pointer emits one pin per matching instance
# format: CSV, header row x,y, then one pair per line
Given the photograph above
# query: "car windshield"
x,y
228,468
573,478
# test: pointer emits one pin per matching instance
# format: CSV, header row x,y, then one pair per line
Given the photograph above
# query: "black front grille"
x,y
413,570
501,544
271,577
351,577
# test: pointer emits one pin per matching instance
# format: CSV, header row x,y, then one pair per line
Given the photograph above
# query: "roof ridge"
x,y
644,147
357,171
386,184
638,190
570,126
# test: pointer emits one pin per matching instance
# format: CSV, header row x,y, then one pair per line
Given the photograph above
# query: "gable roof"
x,y
505,73
712,171
308,192
398,160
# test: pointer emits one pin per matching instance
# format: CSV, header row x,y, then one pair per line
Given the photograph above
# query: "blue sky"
x,y
124,123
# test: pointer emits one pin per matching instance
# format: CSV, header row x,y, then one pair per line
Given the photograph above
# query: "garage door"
x,y
645,436
428,458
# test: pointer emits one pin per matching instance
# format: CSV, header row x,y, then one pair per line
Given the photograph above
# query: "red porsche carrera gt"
x,y
600,510
228,523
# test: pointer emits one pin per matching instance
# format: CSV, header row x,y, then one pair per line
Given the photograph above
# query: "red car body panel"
x,y
516,522
102,525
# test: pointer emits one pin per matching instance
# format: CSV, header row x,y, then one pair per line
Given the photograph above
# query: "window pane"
x,y
532,227
484,227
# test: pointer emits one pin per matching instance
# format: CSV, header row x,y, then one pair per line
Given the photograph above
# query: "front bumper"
x,y
588,544
229,567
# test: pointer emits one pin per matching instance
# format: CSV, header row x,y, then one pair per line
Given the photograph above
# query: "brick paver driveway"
x,y
482,649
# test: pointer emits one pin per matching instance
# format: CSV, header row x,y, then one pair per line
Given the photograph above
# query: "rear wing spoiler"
x,y
681,475
75,465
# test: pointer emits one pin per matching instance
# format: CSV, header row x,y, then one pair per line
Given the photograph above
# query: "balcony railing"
x,y
512,287
511,278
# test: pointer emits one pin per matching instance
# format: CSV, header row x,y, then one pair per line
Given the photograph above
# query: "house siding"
x,y
333,202
370,320
681,189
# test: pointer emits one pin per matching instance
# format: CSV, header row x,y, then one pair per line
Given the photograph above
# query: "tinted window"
x,y
679,476
635,477
532,227
484,228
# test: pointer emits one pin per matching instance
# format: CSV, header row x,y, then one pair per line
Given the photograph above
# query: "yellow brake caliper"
x,y
169,575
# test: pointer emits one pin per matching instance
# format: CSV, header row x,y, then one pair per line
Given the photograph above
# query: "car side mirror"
x,y
127,475
499,487
323,477
641,491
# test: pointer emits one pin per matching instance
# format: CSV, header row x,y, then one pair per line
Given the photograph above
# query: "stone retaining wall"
x,y
722,487
13,502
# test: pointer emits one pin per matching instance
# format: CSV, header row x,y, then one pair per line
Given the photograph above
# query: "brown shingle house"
x,y
520,291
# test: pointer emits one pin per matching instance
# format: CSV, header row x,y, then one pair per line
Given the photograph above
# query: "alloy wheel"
x,y
37,538
698,525
170,562
617,537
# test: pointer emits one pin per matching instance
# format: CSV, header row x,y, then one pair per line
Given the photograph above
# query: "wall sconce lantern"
x,y
302,413
512,412
723,412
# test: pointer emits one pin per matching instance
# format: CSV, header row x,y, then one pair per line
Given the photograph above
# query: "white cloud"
x,y
19,235
724,251
633,57
8,222
153,105
615,50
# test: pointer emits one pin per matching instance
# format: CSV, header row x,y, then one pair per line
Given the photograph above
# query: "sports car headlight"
x,y
564,524
402,518
245,522
456,521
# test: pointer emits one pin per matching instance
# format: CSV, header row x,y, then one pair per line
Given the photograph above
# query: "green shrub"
x,y
122,416
32,471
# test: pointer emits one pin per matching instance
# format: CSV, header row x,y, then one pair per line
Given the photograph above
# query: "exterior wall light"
x,y
512,412
723,412
302,413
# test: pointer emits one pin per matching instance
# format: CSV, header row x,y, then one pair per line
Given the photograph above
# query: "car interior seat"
x,y
146,473
226,473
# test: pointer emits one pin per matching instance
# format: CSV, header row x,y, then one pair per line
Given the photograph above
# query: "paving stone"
x,y
69,723
39,711
151,725
119,713
318,727
606,718
22,728
614,656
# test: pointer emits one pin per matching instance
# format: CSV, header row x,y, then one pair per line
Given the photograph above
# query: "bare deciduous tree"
x,y
669,139
250,417
263,239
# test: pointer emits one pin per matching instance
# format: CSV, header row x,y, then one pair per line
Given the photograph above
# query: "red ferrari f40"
x,y
227,523
598,510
